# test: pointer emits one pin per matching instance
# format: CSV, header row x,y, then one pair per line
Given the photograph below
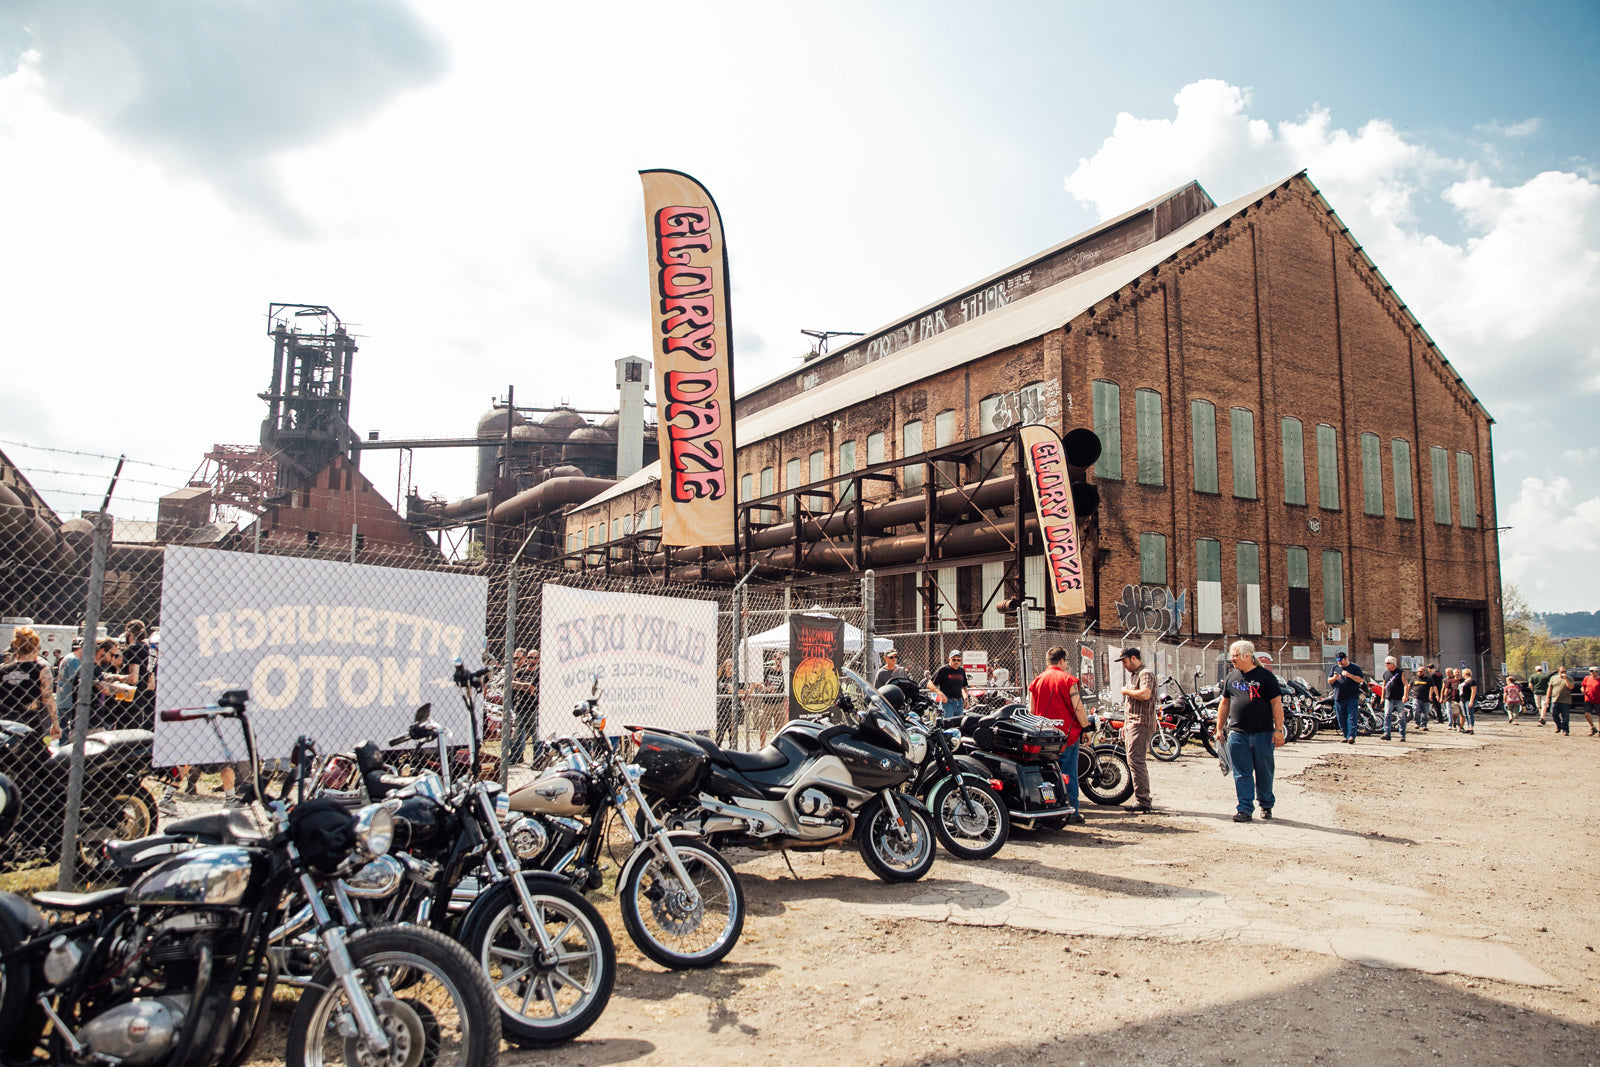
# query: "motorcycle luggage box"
x,y
870,767
1022,736
673,765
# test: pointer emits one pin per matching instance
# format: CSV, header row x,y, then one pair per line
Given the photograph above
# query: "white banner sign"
x,y
656,658
335,651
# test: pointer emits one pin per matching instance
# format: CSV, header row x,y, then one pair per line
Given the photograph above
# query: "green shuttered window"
x,y
1371,474
1203,427
1299,569
1440,461
1294,462
1208,560
1327,467
1404,504
1108,424
1152,559
1466,489
1242,421
1147,416
1332,587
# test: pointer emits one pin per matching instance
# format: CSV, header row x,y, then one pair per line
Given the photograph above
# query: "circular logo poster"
x,y
815,684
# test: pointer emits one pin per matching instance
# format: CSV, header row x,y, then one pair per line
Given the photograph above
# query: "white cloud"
x,y
1525,128
1549,550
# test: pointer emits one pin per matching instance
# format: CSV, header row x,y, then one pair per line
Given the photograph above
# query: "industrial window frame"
x,y
1203,445
1467,490
1327,467
1147,434
875,443
910,445
1405,501
791,478
1439,460
1332,587
847,465
1371,475
1107,402
1294,461
1242,431
1152,559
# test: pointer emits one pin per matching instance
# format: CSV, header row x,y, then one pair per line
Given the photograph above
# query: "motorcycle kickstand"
x,y
786,863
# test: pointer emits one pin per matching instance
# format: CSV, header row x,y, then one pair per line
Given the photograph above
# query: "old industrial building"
x,y
1286,453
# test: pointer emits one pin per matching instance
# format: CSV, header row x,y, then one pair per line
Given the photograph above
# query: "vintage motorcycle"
x,y
681,901
176,969
816,785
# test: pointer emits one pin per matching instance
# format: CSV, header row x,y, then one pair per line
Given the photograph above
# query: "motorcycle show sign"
x,y
655,658
336,651
692,338
1058,523
816,654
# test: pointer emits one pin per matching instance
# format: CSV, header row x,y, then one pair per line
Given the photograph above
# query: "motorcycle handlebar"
x,y
187,714
393,741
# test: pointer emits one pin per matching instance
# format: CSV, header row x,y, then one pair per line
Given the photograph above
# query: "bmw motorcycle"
x,y
814,786
681,901
176,969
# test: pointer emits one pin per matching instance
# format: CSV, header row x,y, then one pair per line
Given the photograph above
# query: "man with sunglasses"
x,y
950,682
1250,723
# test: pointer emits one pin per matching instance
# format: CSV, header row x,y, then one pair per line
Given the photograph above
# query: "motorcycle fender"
x,y
911,802
677,837
973,767
966,772
19,920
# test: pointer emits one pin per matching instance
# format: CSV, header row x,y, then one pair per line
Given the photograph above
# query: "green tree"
x,y
1528,641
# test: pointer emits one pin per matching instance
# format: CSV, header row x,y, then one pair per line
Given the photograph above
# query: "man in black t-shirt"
x,y
1250,723
951,681
1347,680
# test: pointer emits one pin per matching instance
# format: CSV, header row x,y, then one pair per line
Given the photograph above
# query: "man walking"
x,y
524,724
1347,679
950,682
1591,699
1054,696
890,671
1560,694
1250,723
1394,695
1421,687
1139,726
1539,682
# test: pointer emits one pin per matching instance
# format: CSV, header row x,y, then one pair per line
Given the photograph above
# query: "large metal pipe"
x,y
553,492
947,504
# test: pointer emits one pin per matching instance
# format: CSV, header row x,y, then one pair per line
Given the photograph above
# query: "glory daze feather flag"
x,y
693,341
1058,524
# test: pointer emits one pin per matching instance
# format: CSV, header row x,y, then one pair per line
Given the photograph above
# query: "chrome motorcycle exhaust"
x,y
754,823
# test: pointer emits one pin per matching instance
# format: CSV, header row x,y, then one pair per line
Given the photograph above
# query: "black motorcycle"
x,y
1022,752
815,786
115,801
967,804
176,969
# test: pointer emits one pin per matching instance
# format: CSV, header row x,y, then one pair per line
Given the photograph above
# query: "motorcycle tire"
x,y
1209,739
654,917
975,833
890,852
1110,781
495,934
1308,728
410,948
1164,745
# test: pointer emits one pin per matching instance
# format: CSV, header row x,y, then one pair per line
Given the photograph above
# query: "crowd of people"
x,y
41,691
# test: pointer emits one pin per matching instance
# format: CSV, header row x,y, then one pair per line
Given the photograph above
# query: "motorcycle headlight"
x,y
374,829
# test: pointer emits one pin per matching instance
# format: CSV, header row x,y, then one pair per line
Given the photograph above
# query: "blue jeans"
x,y
953,706
1562,714
1347,709
1252,759
1467,715
1394,709
1069,772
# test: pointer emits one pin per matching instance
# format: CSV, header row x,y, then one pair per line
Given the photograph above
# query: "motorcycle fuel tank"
x,y
563,792
870,767
218,876
422,823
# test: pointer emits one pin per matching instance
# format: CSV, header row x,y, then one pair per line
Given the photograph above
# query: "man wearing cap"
x,y
1347,679
950,682
1139,726
890,669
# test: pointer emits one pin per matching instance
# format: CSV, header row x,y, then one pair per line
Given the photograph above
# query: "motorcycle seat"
x,y
765,760
226,826
57,901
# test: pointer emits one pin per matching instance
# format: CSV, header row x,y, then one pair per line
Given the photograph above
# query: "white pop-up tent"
x,y
752,662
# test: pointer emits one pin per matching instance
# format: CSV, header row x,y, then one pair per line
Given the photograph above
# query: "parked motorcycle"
x,y
681,901
1023,753
115,801
176,969
814,786
969,812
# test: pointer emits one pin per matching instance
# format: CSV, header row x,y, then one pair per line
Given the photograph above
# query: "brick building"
x,y
1286,454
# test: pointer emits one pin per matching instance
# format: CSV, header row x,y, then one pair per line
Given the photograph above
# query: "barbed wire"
x,y
92,455
99,474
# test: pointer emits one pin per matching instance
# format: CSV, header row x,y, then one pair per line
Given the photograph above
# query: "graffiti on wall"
x,y
1150,607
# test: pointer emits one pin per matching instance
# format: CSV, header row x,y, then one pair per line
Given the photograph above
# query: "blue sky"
x,y
459,181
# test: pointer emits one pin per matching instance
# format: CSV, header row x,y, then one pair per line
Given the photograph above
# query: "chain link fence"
x,y
339,639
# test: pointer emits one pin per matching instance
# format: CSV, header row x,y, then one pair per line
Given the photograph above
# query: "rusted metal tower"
x,y
308,403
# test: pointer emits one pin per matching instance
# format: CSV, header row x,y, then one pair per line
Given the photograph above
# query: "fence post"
x,y
869,620
509,727
1022,640
67,873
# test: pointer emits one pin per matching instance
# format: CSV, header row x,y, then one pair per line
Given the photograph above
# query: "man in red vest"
x,y
1054,696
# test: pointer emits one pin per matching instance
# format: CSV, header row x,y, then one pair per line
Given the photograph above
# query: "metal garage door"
x,y
1456,639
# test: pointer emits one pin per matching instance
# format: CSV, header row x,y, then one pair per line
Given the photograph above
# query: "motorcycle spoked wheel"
x,y
974,830
125,817
1309,727
551,978
447,1014
895,853
1110,781
1209,739
656,913
1164,745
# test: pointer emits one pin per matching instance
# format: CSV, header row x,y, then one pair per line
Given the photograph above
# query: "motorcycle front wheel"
x,y
551,976
895,851
971,830
434,1004
1164,745
1109,781
657,912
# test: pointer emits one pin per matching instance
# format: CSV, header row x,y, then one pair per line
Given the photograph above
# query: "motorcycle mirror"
x,y
594,690
424,713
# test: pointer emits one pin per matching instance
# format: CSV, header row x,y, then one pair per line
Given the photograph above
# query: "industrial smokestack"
x,y
633,378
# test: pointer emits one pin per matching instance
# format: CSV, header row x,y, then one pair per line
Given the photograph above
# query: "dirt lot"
x,y
1431,902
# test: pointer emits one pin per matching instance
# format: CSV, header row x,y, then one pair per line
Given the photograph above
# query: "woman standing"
x,y
26,693
1469,697
1512,695
140,712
